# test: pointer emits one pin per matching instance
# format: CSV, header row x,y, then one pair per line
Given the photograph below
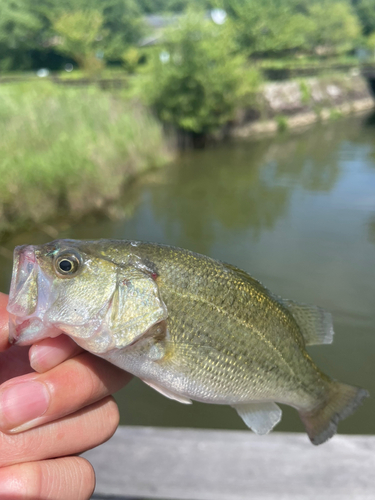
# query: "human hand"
x,y
49,415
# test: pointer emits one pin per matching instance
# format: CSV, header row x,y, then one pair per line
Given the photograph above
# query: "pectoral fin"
x,y
315,323
135,307
260,417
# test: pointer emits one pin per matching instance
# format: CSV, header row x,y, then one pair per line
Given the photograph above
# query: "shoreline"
x,y
301,120
297,104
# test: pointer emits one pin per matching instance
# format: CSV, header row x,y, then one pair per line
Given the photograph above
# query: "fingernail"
x,y
40,356
22,403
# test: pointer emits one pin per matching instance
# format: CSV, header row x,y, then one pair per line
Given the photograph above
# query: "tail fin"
x,y
321,423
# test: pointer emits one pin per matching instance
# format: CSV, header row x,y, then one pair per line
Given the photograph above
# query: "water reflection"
x,y
371,226
244,185
311,161
368,127
227,187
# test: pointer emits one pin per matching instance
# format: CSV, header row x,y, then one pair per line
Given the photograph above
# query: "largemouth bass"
x,y
191,327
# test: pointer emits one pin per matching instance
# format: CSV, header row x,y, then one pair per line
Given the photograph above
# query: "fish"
x,y
189,326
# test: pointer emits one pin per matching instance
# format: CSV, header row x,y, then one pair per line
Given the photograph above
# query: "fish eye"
x,y
67,265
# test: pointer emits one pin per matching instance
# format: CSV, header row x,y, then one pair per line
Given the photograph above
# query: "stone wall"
x,y
298,103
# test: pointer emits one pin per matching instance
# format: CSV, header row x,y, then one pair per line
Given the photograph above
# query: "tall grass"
x,y
69,150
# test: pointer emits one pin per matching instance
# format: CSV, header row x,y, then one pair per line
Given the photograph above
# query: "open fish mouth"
x,y
26,329
23,294
27,297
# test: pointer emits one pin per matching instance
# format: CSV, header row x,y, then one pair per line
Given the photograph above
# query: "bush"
x,y
282,123
196,80
68,151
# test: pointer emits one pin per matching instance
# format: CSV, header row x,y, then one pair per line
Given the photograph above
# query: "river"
x,y
298,213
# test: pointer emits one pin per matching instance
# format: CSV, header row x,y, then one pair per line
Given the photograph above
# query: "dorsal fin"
x,y
315,323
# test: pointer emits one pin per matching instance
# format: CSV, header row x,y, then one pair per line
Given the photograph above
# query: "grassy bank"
x,y
69,151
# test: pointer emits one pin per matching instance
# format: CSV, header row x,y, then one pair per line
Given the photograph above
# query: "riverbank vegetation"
x,y
204,58
67,151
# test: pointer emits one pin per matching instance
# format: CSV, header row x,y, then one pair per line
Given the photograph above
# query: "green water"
x,y
296,212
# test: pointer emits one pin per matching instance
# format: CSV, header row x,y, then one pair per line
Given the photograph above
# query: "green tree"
x,y
121,21
332,26
276,26
26,25
195,80
269,26
366,12
19,29
123,24
80,33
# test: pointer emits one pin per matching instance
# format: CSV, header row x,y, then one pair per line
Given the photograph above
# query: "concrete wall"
x,y
298,103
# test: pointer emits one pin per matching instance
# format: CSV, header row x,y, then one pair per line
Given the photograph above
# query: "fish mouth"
x,y
20,329
23,288
27,298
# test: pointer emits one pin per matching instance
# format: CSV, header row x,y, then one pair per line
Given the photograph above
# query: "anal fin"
x,y
260,417
167,393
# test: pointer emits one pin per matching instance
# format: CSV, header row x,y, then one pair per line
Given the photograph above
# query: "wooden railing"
x,y
151,463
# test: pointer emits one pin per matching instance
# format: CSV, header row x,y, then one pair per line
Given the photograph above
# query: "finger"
x,y
68,477
70,435
35,399
14,362
4,320
49,353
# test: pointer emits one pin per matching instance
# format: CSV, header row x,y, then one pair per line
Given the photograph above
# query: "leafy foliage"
x,y
279,26
366,13
196,79
332,26
18,33
80,33
268,26
123,24
121,21
25,25
371,43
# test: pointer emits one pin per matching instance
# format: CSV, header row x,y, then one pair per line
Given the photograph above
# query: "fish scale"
x,y
218,318
191,327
